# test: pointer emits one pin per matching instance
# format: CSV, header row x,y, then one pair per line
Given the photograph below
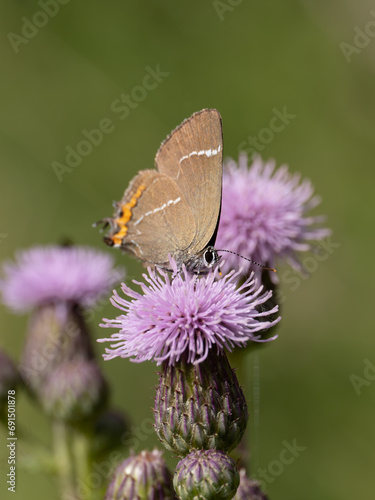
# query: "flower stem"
x,y
63,460
81,452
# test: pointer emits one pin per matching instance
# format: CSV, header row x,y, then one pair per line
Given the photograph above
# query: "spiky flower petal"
x,y
263,215
43,275
186,316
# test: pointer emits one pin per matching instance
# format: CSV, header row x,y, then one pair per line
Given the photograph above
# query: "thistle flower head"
x,y
185,316
54,274
263,215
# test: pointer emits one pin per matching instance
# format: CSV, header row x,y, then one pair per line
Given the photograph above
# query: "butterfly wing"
x,y
149,219
192,156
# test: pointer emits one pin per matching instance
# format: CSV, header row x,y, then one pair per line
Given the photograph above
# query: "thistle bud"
x,y
56,334
75,391
142,477
206,475
200,406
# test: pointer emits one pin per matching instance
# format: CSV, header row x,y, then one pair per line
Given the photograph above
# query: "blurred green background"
x,y
245,60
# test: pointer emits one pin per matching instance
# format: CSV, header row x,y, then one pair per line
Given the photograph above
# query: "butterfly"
x,y
175,209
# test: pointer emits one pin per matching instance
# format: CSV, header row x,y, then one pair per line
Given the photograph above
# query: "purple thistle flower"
x,y
43,275
263,215
186,315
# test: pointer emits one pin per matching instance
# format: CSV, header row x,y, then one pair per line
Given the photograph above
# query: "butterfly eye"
x,y
210,257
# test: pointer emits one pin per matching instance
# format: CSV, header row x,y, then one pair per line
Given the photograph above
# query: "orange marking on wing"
x,y
126,216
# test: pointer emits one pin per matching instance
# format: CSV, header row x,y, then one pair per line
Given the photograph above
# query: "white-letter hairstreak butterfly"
x,y
175,209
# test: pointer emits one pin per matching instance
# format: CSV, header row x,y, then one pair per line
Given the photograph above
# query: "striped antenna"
x,y
249,260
